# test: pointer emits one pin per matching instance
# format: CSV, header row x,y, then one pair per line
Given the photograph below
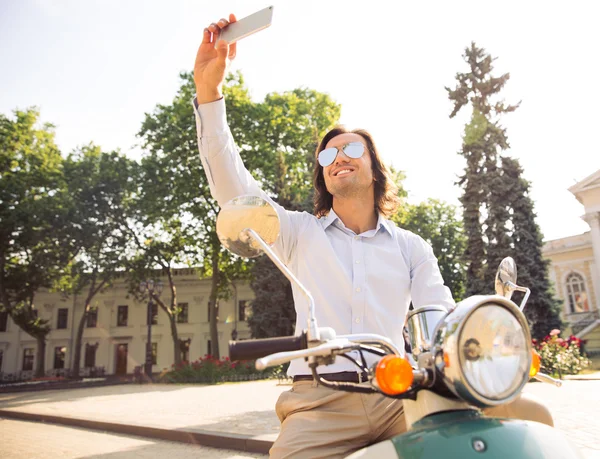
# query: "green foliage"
x,y
437,223
175,212
33,209
561,356
210,370
100,186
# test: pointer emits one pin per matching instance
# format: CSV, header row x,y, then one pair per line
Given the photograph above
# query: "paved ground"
x,y
247,408
27,440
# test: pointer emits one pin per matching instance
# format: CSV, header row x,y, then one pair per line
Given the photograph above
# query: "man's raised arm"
x,y
227,176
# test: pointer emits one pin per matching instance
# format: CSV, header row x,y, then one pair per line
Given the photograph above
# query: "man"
x,y
361,269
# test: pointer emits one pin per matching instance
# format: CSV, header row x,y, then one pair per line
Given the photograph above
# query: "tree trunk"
x,y
41,357
176,349
213,305
77,347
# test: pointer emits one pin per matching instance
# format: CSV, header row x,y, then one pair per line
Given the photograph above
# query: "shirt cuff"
x,y
212,117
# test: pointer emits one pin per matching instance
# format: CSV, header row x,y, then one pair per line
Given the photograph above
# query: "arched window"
x,y
578,300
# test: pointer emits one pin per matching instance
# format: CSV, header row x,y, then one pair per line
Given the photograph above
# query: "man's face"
x,y
347,177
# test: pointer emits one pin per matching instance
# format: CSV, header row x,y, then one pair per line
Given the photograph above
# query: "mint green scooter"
x,y
479,355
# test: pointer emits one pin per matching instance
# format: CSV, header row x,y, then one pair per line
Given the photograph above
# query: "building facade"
x,y
575,267
115,333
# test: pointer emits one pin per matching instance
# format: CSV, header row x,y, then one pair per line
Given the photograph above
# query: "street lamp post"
x,y
151,288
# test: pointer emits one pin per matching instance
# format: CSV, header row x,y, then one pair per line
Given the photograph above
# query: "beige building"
x,y
575,267
115,334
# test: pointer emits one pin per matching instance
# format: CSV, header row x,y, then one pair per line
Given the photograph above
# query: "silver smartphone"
x,y
247,26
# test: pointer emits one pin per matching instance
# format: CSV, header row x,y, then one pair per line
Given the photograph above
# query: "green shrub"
x,y
208,370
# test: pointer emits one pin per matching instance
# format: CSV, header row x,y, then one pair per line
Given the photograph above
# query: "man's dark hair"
x,y
386,191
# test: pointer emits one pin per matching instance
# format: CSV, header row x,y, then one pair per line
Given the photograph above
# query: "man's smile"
x,y
342,171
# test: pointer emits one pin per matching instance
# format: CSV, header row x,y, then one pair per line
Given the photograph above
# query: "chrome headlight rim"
x,y
449,362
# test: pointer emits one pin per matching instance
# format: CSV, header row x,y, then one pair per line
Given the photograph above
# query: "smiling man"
x,y
362,270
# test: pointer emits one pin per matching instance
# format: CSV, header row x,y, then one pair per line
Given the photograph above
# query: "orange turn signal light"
x,y
394,375
536,363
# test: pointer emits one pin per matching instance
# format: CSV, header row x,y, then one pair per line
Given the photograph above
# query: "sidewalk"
x,y
241,415
234,416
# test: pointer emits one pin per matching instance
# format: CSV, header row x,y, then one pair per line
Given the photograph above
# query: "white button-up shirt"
x,y
361,283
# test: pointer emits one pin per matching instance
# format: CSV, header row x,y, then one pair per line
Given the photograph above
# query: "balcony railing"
x,y
579,321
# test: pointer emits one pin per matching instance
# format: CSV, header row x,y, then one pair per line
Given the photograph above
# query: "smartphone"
x,y
247,26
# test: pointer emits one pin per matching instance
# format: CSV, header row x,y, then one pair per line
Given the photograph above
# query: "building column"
x,y
593,219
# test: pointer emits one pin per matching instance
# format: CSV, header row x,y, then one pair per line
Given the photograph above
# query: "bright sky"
x,y
95,67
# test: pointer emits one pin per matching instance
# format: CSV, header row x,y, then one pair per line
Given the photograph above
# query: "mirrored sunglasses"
x,y
352,150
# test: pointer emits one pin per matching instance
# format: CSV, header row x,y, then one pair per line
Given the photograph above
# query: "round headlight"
x,y
483,350
493,352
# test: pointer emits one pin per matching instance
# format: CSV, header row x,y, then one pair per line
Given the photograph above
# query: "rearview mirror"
x,y
243,213
506,278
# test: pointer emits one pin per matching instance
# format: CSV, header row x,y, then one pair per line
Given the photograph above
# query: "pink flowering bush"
x,y
211,370
561,356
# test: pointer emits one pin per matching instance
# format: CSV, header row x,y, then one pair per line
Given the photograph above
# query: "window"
x,y
208,348
3,321
92,318
576,292
28,359
243,310
184,348
90,355
154,314
1,358
154,353
122,313
63,316
182,317
59,357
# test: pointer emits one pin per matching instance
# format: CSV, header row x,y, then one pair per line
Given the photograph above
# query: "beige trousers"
x,y
317,422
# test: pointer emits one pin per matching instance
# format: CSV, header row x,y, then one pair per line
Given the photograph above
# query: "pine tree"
x,y
543,309
498,214
484,139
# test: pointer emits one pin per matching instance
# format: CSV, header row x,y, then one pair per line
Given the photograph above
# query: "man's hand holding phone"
x,y
212,60
218,50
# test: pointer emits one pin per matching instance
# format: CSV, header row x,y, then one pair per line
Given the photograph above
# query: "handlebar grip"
x,y
257,348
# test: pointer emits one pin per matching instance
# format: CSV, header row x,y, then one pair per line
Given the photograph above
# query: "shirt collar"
x,y
331,217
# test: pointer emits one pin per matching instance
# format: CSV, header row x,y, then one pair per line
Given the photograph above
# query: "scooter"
x,y
476,356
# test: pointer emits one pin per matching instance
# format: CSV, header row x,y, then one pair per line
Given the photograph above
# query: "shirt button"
x,y
356,238
358,289
357,262
357,320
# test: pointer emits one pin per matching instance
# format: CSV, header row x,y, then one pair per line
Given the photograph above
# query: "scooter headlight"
x,y
484,350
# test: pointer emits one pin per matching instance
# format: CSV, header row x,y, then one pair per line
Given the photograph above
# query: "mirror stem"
x,y
520,289
313,330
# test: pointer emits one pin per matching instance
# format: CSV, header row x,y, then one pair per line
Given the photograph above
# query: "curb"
x,y
60,386
248,443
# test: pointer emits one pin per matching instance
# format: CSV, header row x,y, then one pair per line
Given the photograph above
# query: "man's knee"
x,y
525,407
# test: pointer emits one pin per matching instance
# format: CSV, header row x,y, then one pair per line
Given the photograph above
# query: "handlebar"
x,y
257,348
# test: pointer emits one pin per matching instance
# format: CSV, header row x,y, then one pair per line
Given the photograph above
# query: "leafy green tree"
x,y
32,211
162,243
99,187
175,189
437,223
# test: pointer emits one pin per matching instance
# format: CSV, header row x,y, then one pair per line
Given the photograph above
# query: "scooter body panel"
x,y
468,434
